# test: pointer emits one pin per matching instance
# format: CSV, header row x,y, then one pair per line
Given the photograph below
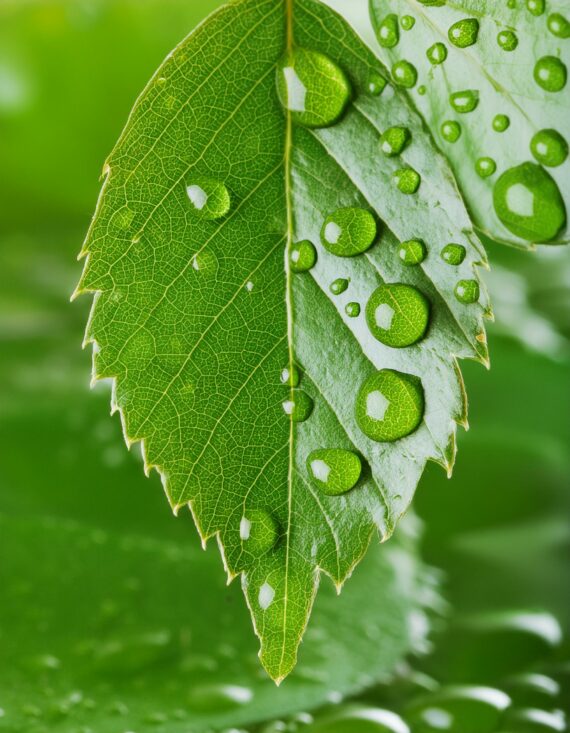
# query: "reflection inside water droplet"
x,y
266,596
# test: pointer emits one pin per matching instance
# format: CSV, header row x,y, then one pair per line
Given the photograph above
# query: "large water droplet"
x,y
507,40
397,315
390,405
211,698
408,22
501,123
388,32
303,256
291,376
404,74
394,140
462,708
299,406
536,7
351,719
437,53
464,33
465,101
558,25
412,252
209,199
467,291
312,87
529,204
407,180
453,254
549,148
349,232
485,167
451,131
334,470
258,531
550,73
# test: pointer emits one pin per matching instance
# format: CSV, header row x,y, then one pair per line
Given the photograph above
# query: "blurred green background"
x,y
92,563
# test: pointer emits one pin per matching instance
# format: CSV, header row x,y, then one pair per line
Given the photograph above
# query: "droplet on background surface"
x,y
211,698
352,310
468,709
558,25
408,22
413,252
507,40
451,131
349,232
397,315
303,256
339,286
407,180
334,470
258,531
467,291
536,7
464,33
388,32
464,101
299,406
437,53
351,719
501,123
453,254
394,140
549,148
404,74
485,167
209,199
550,74
376,84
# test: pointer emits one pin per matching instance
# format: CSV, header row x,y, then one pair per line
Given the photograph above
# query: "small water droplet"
x,y
451,131
507,40
404,74
258,531
536,7
339,285
467,291
501,123
407,22
266,596
558,25
388,32
249,286
485,167
376,84
209,199
291,376
299,406
349,232
412,252
335,471
394,140
312,87
453,254
407,180
206,263
549,148
397,315
211,698
511,4
550,74
390,405
303,256
464,101
437,53
464,33
352,310
422,89
529,204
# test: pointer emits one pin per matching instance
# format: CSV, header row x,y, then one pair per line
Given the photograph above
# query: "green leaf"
x,y
507,63
200,312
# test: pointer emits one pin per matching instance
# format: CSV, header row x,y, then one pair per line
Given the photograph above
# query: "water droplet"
x,y
291,376
312,87
485,167
536,7
453,254
408,22
412,252
549,148
407,180
550,74
349,232
376,84
351,719
464,33
388,32
303,256
339,285
208,698
404,74
529,204
465,101
422,89
266,596
394,140
352,310
451,131
299,406
397,314
467,291
390,405
437,53
558,25
258,531
334,470
511,4
209,199
501,123
507,40
461,708
206,263
532,720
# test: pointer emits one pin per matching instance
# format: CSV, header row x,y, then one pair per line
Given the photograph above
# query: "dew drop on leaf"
x,y
205,262
390,405
467,291
413,252
501,123
422,90
299,406
303,256
550,74
549,148
352,310
266,596
258,531
407,180
349,232
529,204
507,40
211,698
558,25
394,140
404,74
451,131
464,33
408,22
388,32
312,87
485,167
397,315
335,471
453,254
437,53
536,7
339,285
291,376
465,101
209,199
460,708
376,84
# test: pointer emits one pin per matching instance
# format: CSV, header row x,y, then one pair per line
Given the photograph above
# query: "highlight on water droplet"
x,y
209,698
464,33
464,101
394,140
501,123
550,74
209,199
299,406
507,40
265,596
388,32
258,531
352,310
407,180
437,53
467,291
404,74
558,25
339,286
529,204
413,252
349,232
451,131
454,254
302,256
407,22
485,167
536,7
335,471
312,88
549,148
291,375
390,405
376,84
397,314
